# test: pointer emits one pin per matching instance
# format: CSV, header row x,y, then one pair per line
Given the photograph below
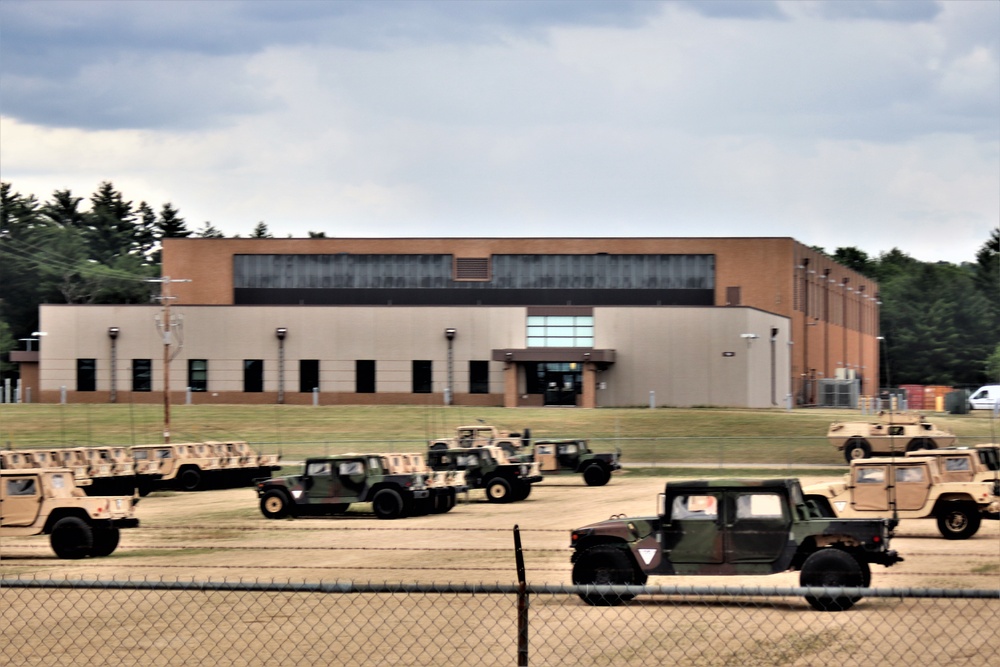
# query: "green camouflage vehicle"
x,y
572,456
503,479
329,485
733,527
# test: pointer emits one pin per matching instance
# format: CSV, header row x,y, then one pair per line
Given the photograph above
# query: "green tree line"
x,y
940,321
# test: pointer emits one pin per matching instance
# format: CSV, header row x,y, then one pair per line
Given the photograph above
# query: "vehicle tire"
x,y
190,479
596,475
105,541
958,521
857,448
72,538
387,504
522,490
820,504
275,505
498,490
832,567
921,443
606,564
444,501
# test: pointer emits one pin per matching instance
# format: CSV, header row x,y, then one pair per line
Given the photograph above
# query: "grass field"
x,y
645,436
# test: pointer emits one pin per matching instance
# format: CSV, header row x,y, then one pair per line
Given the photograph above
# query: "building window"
x,y
253,375
142,375
421,376
86,374
560,331
479,377
364,376
198,374
308,375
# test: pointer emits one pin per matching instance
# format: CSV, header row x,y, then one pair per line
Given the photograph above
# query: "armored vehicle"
x,y
47,501
911,487
732,527
892,433
571,456
329,485
489,468
483,436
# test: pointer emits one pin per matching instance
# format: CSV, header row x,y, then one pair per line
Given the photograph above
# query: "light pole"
x,y
449,333
166,326
113,335
281,332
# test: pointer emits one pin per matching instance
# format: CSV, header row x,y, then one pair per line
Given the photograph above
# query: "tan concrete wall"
x,y
674,351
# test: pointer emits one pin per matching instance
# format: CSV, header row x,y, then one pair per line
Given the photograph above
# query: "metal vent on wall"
x,y
472,268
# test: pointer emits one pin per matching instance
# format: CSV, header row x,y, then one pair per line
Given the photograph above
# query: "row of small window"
x,y
253,375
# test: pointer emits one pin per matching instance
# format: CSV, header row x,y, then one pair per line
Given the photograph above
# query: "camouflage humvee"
x,y
732,527
329,485
911,487
893,433
47,501
573,456
504,479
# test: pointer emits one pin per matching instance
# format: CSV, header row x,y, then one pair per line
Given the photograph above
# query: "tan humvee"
x,y
893,433
47,501
980,463
480,436
23,459
911,487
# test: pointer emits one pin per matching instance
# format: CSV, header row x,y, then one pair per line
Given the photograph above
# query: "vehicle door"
x,y
20,499
869,490
692,533
319,481
351,477
913,485
545,455
757,525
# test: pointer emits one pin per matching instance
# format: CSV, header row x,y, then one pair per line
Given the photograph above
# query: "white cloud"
x,y
869,129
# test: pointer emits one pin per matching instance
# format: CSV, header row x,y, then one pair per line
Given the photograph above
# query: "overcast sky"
x,y
873,124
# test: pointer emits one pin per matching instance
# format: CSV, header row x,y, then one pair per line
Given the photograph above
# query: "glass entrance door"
x,y
560,382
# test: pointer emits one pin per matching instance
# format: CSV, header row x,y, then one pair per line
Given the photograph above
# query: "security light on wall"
x,y
281,332
450,333
749,336
113,332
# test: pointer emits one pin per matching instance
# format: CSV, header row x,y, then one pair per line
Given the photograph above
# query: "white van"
x,y
985,398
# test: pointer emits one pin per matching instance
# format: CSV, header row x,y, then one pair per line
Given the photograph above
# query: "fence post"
x,y
522,602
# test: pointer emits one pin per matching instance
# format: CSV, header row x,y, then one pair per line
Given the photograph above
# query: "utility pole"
x,y
166,327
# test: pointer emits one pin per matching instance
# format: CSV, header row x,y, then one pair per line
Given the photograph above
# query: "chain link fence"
x,y
248,623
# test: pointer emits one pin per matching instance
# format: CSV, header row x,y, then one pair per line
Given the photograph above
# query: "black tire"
x,y
857,448
275,505
189,479
606,564
958,521
444,501
105,541
921,443
833,567
387,504
498,490
596,475
72,538
522,490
